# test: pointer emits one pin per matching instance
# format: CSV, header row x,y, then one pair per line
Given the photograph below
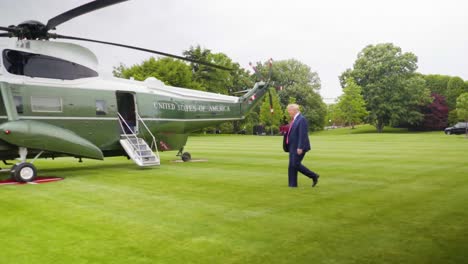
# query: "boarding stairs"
x,y
136,147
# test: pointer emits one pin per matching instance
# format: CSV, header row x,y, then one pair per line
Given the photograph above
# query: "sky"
x,y
326,35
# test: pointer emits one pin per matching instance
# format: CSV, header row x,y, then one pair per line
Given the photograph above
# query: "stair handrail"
x,y
153,143
134,146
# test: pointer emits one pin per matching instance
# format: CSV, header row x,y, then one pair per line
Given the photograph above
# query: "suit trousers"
x,y
295,165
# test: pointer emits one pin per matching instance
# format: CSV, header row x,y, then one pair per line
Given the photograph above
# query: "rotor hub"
x,y
31,29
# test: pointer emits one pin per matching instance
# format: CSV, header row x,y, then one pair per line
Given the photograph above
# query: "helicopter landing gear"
x,y
24,171
184,155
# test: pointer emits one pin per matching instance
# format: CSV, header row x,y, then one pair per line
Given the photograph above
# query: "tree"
x,y
171,72
455,87
415,96
269,118
462,109
194,75
437,83
435,114
250,121
351,104
217,80
345,76
334,116
299,82
392,91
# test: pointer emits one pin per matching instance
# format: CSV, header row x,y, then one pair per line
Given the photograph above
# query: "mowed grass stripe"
x,y
382,198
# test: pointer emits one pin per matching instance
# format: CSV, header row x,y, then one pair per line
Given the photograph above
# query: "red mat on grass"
x,y
37,181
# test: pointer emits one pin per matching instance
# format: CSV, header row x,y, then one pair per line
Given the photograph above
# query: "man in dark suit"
x,y
296,142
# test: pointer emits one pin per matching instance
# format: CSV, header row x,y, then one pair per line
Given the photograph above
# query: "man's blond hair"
x,y
293,107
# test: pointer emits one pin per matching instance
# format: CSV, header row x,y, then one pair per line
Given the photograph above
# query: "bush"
x,y
226,128
453,117
274,129
249,128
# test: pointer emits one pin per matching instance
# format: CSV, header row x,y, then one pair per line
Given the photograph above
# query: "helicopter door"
x,y
126,105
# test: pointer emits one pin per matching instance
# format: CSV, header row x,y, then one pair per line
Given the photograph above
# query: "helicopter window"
x,y
18,103
101,108
37,65
46,104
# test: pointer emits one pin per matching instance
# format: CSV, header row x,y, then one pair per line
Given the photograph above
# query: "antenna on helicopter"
x,y
36,30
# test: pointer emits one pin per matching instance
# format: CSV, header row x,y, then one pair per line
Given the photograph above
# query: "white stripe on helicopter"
x,y
114,118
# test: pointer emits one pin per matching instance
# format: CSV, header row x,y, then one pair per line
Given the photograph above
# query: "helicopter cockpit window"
x,y
101,108
46,104
37,65
18,103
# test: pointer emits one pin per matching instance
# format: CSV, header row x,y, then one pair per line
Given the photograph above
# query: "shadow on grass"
x,y
73,172
91,167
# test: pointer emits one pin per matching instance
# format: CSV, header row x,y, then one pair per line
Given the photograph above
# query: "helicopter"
x,y
55,103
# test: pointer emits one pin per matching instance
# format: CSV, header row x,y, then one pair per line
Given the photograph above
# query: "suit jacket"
x,y
298,136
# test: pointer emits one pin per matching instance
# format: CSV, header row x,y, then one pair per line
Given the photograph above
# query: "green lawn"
x,y
382,198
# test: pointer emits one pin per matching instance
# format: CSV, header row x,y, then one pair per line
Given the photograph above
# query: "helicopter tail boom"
x,y
249,100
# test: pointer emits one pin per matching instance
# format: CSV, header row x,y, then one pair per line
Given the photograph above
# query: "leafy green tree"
x,y
171,72
289,73
250,121
194,75
455,87
313,107
334,116
117,70
345,76
351,104
462,109
415,97
390,87
437,83
297,81
450,88
452,117
217,80
268,118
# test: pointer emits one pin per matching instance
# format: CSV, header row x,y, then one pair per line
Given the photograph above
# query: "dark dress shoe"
x,y
315,180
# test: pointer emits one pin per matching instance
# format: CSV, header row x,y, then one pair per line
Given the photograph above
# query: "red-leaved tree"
x,y
435,114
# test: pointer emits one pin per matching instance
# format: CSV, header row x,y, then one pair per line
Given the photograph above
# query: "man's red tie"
x,y
289,130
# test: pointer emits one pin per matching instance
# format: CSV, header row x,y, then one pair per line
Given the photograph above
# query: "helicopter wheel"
x,y
23,172
186,156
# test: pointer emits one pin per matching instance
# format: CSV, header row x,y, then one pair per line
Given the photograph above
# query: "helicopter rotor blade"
x,y
4,34
78,11
8,29
142,49
271,102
